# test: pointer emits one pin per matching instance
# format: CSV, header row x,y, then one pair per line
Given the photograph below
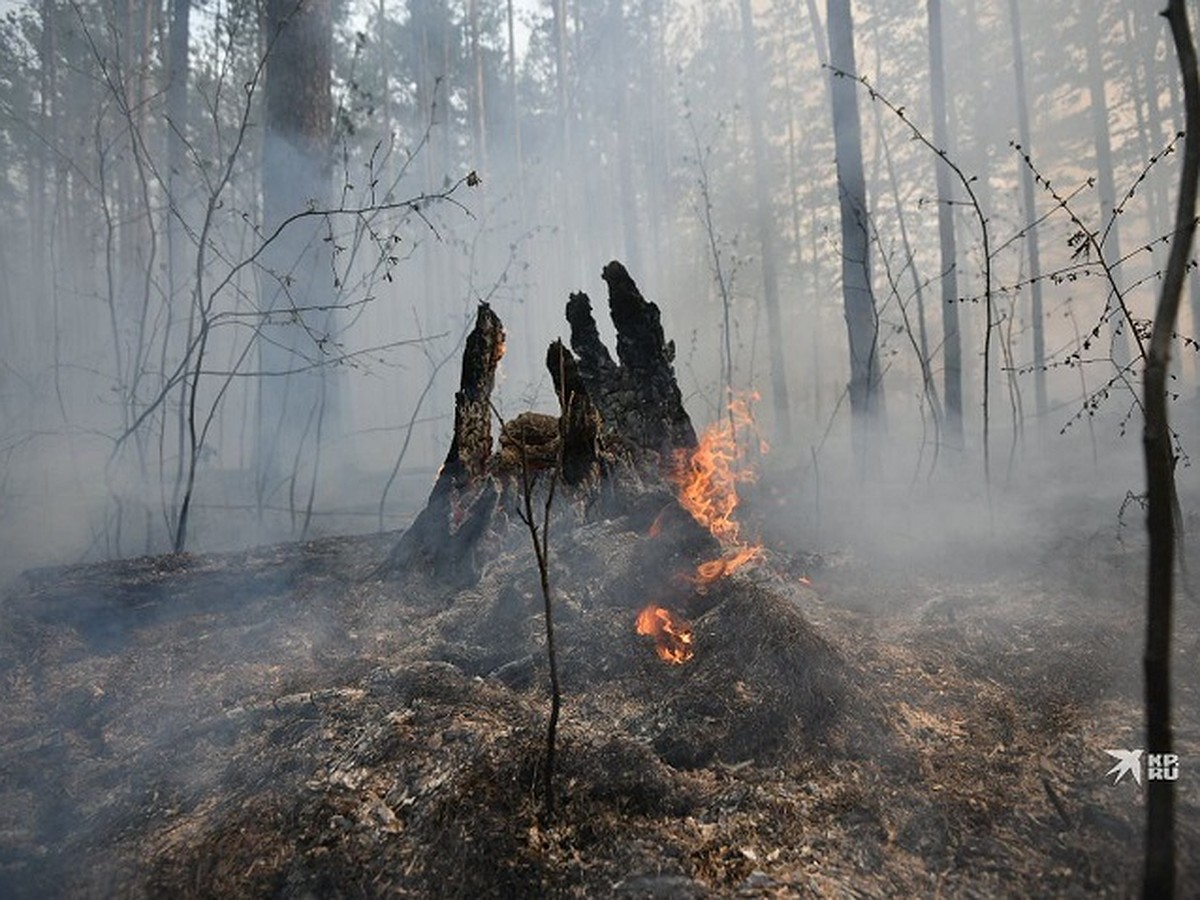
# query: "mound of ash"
x,y
334,735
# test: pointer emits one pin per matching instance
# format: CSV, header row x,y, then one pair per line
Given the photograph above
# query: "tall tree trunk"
x,y
622,71
43,161
295,175
1037,314
515,106
1143,21
862,323
1104,176
177,209
564,174
1159,877
1177,125
951,337
820,41
177,123
478,102
766,226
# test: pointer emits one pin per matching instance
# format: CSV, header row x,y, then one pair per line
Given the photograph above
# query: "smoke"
x,y
615,132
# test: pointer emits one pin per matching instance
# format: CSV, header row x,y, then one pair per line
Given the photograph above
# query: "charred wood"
x,y
639,399
579,423
619,426
445,533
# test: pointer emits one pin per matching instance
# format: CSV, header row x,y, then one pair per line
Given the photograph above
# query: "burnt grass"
x,y
280,723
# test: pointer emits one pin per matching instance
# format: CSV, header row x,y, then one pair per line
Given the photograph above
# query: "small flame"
x,y
656,526
672,635
708,572
707,478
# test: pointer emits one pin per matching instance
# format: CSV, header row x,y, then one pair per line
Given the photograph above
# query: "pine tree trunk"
x,y
298,124
1033,250
1105,185
766,226
1159,875
951,337
866,379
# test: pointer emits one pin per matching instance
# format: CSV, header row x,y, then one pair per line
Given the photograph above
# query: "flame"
x,y
672,635
708,572
707,479
656,526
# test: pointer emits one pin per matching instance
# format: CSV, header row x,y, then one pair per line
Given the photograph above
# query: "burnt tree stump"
x,y
613,418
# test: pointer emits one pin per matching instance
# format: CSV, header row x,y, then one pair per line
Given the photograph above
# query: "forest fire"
x,y
672,635
707,479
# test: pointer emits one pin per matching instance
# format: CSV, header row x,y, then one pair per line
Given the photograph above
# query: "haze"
x,y
138,215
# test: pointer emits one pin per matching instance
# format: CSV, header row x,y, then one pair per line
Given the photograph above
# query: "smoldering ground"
x,y
918,698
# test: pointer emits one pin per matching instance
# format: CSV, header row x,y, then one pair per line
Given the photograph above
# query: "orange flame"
x,y
707,478
656,526
672,635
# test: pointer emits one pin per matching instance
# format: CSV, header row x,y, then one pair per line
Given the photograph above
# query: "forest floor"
x,y
280,723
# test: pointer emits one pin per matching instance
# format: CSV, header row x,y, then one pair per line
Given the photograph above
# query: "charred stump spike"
x,y
639,400
471,446
445,533
595,362
579,422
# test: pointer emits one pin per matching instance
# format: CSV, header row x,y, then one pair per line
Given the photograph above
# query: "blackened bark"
x,y
595,362
639,400
445,534
579,421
